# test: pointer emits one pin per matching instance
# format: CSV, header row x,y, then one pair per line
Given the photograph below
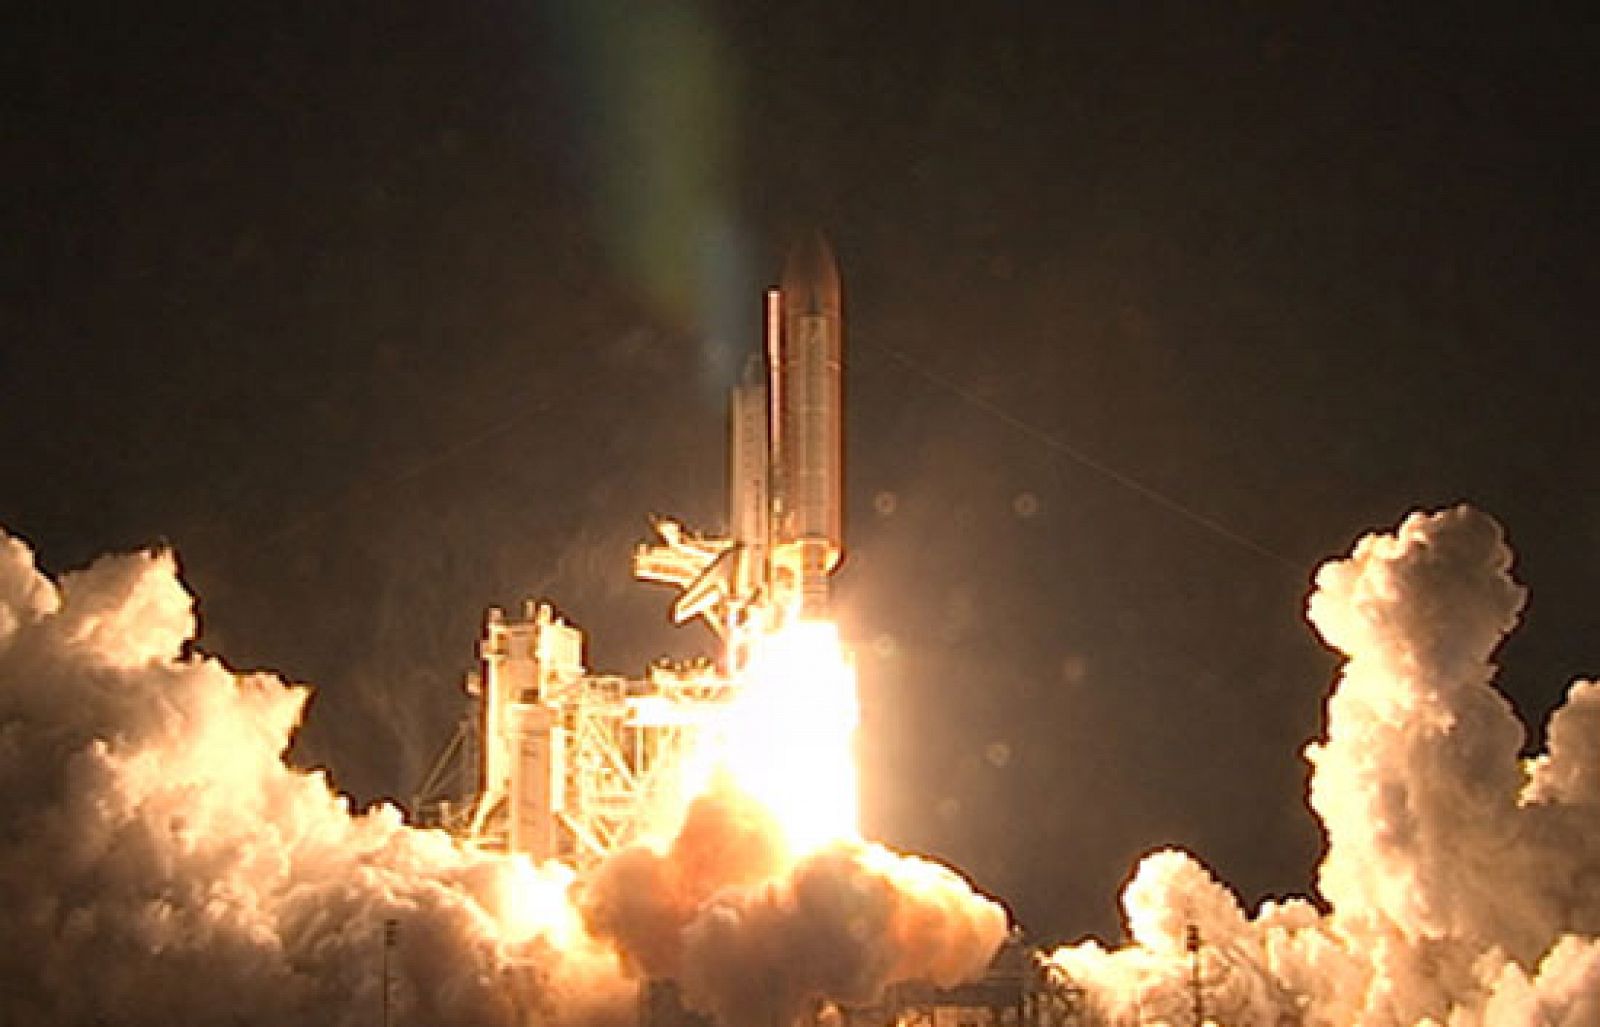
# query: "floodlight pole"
x,y
1191,941
391,934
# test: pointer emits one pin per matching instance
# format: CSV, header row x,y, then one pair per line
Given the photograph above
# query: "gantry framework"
x,y
571,765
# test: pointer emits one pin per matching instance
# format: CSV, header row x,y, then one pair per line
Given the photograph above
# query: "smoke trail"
x,y
160,864
1463,885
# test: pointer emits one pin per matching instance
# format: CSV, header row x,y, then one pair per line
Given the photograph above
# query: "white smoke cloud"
x,y
1462,885
755,938
160,864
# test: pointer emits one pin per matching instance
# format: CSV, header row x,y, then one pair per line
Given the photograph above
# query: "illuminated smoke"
x,y
160,864
753,940
1463,884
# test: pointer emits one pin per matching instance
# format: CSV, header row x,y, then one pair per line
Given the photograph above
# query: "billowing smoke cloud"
x,y
160,864
751,944
1463,885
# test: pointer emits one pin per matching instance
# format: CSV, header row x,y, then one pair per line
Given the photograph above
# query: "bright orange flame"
x,y
790,735
535,903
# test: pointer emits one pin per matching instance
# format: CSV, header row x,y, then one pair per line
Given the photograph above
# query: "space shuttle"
x,y
572,765
785,474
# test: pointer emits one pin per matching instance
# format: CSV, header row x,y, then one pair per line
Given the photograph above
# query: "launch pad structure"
x,y
555,762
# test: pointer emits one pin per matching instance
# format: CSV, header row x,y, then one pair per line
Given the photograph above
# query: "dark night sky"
x,y
383,312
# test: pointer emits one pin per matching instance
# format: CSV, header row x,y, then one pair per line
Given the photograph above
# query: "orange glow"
x,y
790,736
535,904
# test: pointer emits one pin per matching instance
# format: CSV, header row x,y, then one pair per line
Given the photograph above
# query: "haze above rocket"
x,y
785,472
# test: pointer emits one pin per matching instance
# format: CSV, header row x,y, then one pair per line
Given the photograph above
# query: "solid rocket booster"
x,y
805,354
749,483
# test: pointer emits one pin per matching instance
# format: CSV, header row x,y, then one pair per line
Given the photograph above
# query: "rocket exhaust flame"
x,y
790,736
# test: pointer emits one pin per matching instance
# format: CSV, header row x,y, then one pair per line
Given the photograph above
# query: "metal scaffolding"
x,y
565,764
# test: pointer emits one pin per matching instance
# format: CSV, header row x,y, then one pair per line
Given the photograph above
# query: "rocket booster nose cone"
x,y
811,277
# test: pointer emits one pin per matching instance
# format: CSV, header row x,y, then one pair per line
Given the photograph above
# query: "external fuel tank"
x,y
806,357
